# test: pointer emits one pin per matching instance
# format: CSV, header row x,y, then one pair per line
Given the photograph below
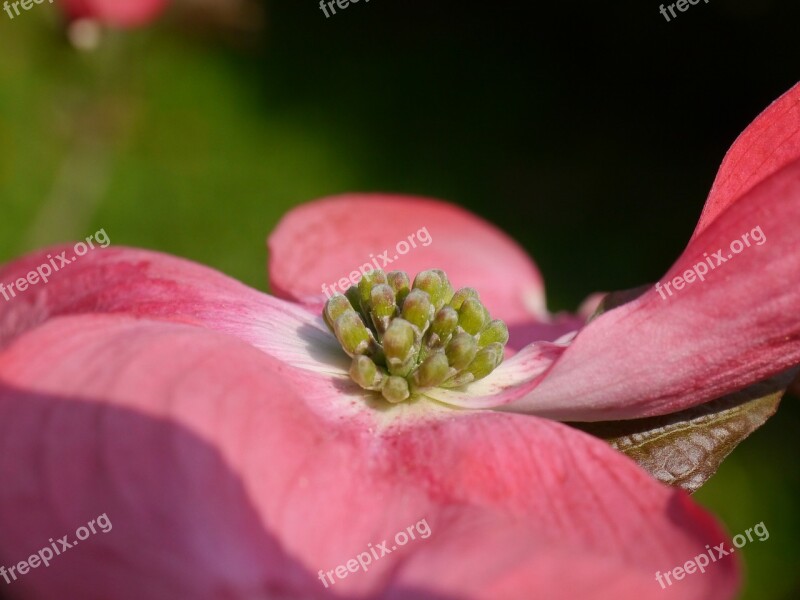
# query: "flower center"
x,y
407,338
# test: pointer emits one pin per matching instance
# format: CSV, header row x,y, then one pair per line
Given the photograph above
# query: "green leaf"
x,y
685,449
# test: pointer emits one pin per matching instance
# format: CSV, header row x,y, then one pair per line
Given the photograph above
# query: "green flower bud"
x,y
399,282
461,295
365,285
352,333
443,326
433,370
383,306
399,346
486,360
487,318
395,389
461,350
496,331
447,289
430,283
471,315
382,300
366,373
334,308
354,297
418,310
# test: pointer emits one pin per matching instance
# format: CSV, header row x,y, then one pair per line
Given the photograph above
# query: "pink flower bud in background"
x,y
117,13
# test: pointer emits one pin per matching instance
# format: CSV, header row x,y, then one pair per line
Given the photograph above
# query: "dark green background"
x,y
590,131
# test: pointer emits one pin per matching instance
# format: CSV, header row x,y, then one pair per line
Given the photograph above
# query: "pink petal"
x,y
768,144
525,333
158,286
119,13
222,482
324,242
657,356
98,436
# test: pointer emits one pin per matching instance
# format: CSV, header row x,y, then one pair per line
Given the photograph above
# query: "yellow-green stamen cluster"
x,y
405,339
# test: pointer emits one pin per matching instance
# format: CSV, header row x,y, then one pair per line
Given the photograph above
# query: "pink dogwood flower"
x,y
219,430
117,13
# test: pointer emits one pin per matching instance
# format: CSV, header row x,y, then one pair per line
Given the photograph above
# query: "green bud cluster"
x,y
406,338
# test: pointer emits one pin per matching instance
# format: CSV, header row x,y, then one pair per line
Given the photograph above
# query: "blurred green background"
x,y
591,132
